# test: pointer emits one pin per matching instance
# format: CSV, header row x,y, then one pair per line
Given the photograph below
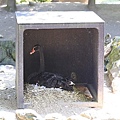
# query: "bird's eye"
x,y
36,48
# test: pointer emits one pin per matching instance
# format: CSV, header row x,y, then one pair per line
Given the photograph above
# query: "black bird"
x,y
50,80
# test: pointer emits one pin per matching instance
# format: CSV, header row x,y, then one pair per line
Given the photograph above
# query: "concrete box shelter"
x,y
73,41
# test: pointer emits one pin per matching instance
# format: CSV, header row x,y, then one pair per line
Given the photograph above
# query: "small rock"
x,y
77,117
1,36
2,119
89,114
107,49
31,3
107,39
113,72
108,45
55,116
9,67
4,115
116,85
27,114
113,65
114,54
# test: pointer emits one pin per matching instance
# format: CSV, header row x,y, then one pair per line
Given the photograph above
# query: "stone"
x,y
27,114
115,52
107,45
2,118
31,3
114,71
1,36
113,66
107,39
5,115
89,114
77,117
7,52
116,85
55,116
107,49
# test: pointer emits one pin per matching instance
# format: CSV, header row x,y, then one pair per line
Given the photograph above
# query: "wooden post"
x,y
91,4
11,5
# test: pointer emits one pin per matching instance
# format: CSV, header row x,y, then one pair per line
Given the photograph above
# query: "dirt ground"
x,y
109,13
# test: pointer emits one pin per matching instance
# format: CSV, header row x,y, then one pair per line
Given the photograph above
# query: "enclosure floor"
x,y
45,100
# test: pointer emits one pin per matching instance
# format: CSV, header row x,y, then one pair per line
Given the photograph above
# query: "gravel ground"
x,y
45,100
109,13
7,88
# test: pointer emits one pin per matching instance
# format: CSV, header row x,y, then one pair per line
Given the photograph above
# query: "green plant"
x,y
22,1
42,0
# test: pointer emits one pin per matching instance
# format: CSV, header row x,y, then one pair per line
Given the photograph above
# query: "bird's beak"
x,y
32,52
